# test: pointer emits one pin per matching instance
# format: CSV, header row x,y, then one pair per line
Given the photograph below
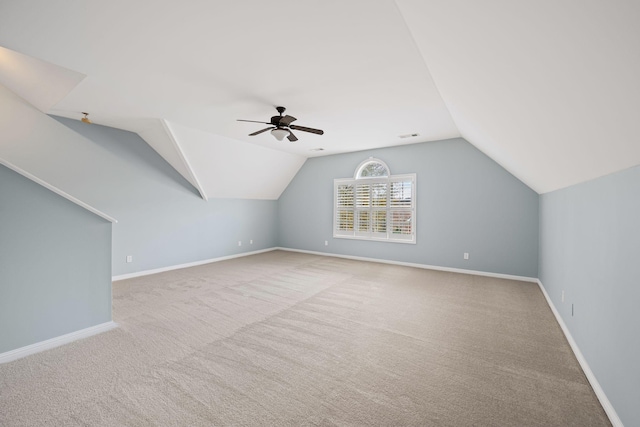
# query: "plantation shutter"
x,y
363,205
344,209
402,209
376,208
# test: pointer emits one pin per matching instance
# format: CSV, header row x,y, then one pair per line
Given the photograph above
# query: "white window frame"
x,y
368,207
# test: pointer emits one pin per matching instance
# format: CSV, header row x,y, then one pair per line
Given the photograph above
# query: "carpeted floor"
x,y
289,339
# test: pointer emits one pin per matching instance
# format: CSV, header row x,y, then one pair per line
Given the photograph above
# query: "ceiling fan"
x,y
281,126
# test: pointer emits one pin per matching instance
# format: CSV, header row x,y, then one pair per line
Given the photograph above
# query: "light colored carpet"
x,y
288,339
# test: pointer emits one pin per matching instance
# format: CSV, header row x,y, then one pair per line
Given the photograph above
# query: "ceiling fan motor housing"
x,y
275,120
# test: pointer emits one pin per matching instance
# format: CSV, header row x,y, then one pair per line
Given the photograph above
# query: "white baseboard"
x,y
424,266
604,401
55,342
187,265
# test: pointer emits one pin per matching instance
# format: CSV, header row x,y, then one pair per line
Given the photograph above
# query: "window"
x,y
375,205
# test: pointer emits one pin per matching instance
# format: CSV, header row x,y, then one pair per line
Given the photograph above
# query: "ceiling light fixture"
x,y
85,119
280,133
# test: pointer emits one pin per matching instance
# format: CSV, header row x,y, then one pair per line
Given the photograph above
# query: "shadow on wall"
x,y
123,146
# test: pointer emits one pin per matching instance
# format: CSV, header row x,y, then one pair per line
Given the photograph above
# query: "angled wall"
x,y
162,220
465,203
35,143
55,264
589,245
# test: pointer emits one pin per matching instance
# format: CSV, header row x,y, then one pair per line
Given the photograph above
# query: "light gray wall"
x,y
162,221
589,247
55,264
465,203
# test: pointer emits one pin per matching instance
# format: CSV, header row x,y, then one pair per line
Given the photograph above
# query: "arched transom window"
x,y
375,205
371,168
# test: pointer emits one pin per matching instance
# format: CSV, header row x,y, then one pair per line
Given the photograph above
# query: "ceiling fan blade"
x,y
253,121
287,120
260,131
304,129
292,137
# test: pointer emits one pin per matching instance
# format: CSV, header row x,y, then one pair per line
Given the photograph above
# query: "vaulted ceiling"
x,y
548,89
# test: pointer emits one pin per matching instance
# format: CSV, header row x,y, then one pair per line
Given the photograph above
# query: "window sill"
x,y
375,239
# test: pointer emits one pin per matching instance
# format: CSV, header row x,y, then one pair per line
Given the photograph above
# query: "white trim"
x,y
375,239
56,190
167,128
21,352
602,397
423,266
187,265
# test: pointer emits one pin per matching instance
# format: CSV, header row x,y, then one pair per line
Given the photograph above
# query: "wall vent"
x,y
409,135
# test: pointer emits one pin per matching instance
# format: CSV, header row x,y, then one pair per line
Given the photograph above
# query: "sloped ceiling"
x,y
547,89
238,167
41,149
40,83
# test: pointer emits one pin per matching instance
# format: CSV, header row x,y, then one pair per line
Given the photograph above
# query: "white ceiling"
x,y
548,89
33,79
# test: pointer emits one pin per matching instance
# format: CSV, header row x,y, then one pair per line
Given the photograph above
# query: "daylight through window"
x,y
375,205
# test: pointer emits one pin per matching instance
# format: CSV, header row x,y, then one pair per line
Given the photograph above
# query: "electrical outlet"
x,y
466,255
251,242
562,296
239,242
326,243
129,258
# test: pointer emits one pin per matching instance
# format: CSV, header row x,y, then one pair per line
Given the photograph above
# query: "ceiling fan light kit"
x,y
281,126
280,134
